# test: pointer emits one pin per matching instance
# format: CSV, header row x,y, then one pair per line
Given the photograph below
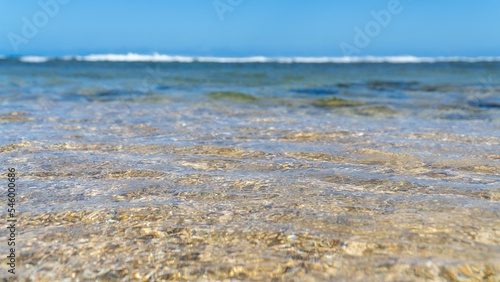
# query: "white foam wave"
x,y
34,59
133,57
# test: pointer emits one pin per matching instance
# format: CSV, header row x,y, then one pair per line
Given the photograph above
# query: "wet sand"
x,y
245,194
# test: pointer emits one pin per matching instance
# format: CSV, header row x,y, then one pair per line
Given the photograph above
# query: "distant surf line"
x,y
161,58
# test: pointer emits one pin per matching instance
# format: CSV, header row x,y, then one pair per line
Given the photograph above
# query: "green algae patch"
x,y
334,102
377,111
342,85
233,96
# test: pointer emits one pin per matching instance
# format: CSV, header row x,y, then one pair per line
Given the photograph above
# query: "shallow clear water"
x,y
394,166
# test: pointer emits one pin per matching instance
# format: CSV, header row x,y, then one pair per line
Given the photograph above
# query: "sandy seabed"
x,y
267,198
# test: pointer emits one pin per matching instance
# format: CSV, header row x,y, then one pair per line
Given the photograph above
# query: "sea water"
x,y
254,169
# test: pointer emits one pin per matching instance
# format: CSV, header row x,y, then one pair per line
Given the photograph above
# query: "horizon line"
x,y
164,58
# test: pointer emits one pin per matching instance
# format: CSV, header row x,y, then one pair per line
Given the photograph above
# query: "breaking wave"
x,y
133,57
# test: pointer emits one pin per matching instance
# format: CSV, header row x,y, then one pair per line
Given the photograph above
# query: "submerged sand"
x,y
249,194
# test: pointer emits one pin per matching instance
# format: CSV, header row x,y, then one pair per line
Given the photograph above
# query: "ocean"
x,y
164,167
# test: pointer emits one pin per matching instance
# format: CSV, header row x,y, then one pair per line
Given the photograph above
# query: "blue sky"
x,y
251,27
